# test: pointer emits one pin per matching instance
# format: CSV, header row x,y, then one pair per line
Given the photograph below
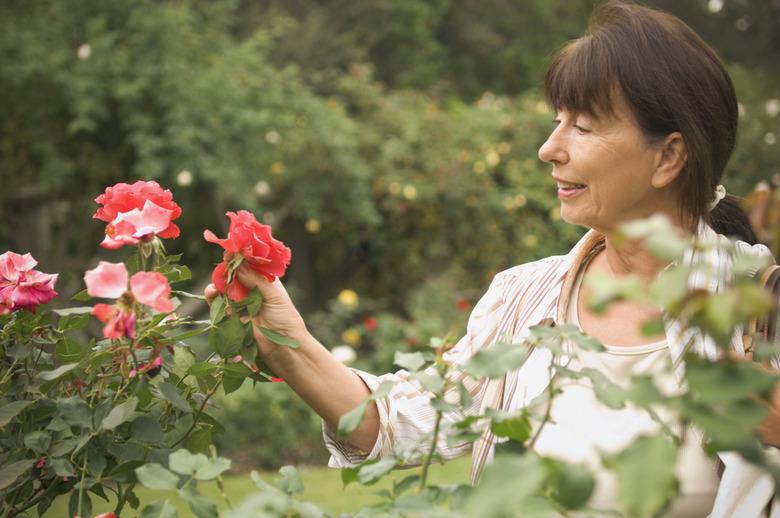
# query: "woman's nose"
x,y
553,150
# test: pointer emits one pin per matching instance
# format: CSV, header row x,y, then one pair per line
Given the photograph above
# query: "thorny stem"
x,y
548,408
431,451
197,414
9,372
81,485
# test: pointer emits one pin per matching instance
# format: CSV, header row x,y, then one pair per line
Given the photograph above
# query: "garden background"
x,y
391,144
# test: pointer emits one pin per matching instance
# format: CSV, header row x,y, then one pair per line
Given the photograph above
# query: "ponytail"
x,y
729,219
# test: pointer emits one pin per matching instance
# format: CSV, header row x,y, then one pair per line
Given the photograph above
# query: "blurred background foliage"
x,y
391,144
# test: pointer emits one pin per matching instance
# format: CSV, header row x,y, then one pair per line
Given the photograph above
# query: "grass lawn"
x,y
322,487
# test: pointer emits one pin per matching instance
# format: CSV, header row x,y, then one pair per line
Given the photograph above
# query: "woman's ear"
x,y
671,158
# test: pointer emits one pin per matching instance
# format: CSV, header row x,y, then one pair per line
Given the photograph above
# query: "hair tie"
x,y
720,193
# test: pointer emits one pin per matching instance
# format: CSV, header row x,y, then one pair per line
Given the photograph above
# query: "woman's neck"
x,y
630,257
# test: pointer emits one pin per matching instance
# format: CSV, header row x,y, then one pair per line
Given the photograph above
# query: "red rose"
x,y
253,241
370,323
463,304
122,198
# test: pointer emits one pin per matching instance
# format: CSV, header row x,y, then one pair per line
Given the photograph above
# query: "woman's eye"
x,y
580,129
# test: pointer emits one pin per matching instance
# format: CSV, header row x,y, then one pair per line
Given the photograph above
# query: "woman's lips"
x,y
568,191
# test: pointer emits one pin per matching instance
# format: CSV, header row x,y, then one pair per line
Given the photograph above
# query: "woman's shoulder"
x,y
545,272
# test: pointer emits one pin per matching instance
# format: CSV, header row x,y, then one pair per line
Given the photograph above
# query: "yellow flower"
x,y
351,336
348,298
410,192
277,167
313,226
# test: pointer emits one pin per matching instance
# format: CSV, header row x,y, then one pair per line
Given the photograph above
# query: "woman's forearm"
x,y
326,385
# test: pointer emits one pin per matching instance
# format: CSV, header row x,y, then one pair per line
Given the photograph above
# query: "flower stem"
x,y
197,414
81,485
431,451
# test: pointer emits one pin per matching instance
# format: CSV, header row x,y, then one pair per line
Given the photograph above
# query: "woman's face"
x,y
603,168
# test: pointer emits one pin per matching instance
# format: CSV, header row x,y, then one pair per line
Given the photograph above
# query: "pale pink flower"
x,y
134,226
21,287
110,280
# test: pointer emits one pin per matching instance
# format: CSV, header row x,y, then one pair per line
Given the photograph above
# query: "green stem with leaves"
x,y
197,414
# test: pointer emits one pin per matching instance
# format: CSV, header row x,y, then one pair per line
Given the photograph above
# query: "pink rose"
x,y
137,212
110,280
123,197
253,241
132,227
21,287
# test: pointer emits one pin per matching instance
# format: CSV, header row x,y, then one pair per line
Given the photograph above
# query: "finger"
x,y
211,292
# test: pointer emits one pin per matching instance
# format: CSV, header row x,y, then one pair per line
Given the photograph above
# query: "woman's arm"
x,y
324,383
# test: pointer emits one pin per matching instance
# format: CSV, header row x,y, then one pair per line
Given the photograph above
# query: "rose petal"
x,y
227,243
108,280
153,290
12,264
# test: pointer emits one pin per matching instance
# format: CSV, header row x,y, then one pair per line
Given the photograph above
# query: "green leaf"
x,y
665,246
75,411
10,472
10,410
505,484
217,309
648,463
119,414
145,428
352,419
38,441
382,390
155,476
171,394
82,296
69,350
608,393
372,471
62,467
727,380
73,504
291,482
79,310
571,485
159,509
431,381
348,476
515,427
73,322
176,272
185,463
252,302
201,506
279,338
58,372
213,469
496,360
409,361
227,336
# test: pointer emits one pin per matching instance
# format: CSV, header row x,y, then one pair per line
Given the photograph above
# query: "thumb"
x,y
269,290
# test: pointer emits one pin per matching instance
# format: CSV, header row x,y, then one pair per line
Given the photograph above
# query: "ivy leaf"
x,y
119,414
279,338
648,463
155,476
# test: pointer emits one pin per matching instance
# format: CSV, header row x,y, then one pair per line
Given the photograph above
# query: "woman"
x,y
646,119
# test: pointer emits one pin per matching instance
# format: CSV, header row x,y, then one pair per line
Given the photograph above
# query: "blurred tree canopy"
x,y
391,144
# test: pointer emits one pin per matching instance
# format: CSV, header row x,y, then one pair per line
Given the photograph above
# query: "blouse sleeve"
x,y
405,414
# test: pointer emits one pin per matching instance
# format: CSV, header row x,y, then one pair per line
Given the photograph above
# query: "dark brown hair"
x,y
672,81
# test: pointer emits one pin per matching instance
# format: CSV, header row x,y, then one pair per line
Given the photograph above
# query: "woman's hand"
x,y
277,313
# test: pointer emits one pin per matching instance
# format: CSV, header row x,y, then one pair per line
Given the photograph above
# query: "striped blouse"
x,y
519,298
